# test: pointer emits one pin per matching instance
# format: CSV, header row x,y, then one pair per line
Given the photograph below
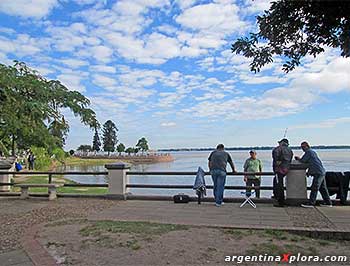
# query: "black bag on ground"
x,y
181,198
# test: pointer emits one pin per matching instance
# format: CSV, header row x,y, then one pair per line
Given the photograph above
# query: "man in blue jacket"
x,y
315,169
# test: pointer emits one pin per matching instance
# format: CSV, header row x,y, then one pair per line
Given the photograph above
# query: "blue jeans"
x,y
319,184
219,180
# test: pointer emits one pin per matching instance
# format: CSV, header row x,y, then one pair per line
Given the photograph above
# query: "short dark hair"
x,y
220,147
305,143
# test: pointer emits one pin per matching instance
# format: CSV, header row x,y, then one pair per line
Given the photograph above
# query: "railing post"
x,y
50,178
296,187
6,165
117,180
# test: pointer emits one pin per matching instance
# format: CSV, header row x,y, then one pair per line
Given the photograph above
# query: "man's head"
x,y
304,146
284,142
252,154
220,147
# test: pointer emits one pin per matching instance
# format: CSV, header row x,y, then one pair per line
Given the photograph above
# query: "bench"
x,y
51,188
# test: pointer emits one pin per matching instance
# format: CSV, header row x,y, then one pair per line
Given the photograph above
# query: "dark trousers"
x,y
319,184
278,188
256,182
31,165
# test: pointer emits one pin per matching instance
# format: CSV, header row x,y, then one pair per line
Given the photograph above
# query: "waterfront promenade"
x,y
35,231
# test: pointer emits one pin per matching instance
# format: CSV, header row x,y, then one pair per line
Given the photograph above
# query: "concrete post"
x,y
296,192
117,180
8,166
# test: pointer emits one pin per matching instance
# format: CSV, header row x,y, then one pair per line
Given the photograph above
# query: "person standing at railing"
x,y
282,156
253,165
315,169
217,163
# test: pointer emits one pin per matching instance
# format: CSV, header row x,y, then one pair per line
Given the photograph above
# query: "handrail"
x,y
194,173
51,173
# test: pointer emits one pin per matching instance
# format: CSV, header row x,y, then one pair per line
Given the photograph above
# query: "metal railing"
x,y
50,174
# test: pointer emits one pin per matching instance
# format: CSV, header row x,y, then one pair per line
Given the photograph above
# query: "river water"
x,y
333,160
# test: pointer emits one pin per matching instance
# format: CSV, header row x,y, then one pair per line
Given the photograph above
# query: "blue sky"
x,y
164,70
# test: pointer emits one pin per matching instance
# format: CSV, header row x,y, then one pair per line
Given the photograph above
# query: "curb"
x,y
36,252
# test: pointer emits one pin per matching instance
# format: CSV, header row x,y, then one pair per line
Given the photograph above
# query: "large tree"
x,y
109,136
96,143
142,144
294,29
120,148
31,109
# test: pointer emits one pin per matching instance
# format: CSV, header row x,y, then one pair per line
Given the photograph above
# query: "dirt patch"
x,y
82,242
17,216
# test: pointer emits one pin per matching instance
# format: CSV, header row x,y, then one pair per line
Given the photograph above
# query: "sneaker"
x,y
222,203
217,205
326,205
307,205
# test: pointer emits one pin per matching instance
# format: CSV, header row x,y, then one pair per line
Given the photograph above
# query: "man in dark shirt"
x,y
282,156
218,160
315,169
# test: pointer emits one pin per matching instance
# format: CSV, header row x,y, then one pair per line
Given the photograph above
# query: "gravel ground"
x,y
16,216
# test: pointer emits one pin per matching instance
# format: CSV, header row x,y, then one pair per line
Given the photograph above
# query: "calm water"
x,y
333,160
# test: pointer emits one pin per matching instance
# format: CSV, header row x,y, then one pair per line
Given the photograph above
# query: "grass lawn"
x,y
79,161
42,179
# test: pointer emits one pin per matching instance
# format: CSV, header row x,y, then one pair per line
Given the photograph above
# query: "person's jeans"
x,y
278,188
319,184
219,180
256,182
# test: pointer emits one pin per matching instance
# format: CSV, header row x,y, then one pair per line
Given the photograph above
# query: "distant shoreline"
x,y
317,147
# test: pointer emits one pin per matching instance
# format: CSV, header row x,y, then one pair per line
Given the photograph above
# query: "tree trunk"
x,y
13,146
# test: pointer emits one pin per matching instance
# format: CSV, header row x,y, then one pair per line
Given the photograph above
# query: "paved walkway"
x,y
15,258
265,216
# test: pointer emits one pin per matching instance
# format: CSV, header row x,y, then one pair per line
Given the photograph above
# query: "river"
x,y
333,160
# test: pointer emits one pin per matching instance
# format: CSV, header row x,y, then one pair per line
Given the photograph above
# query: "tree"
x,y
84,148
96,143
294,29
142,144
109,136
129,150
31,109
120,148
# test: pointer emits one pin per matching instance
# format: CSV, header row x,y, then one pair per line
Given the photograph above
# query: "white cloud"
x,y
168,124
212,17
74,63
28,8
72,81
103,81
103,68
329,123
102,53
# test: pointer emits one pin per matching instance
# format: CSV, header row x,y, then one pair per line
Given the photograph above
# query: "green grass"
x,y
79,161
141,228
60,180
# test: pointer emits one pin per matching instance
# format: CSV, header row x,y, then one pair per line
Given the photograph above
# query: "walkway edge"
x,y
36,252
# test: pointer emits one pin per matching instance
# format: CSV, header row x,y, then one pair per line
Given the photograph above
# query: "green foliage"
x,y
96,143
42,158
120,148
84,148
142,144
59,154
109,136
294,29
130,150
31,109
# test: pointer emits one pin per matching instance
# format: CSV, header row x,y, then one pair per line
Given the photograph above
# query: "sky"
x,y
164,70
